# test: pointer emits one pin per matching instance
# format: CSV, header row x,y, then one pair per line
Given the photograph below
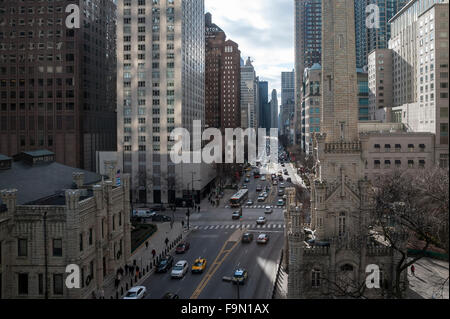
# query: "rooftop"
x,y
36,183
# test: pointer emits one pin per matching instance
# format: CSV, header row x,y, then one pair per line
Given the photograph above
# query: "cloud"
x,y
264,30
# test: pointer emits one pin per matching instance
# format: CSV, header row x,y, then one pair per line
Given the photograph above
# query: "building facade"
x,y
248,96
264,107
363,95
86,223
57,85
160,86
420,70
380,85
311,114
308,36
274,109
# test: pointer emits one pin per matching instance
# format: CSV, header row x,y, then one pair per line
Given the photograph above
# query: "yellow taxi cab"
x,y
199,265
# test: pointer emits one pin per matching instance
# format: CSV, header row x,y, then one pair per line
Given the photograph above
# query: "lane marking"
x,y
226,250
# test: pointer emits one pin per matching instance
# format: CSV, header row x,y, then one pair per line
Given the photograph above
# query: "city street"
x,y
214,235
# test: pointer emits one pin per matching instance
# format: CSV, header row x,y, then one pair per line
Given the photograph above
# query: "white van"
x,y
143,213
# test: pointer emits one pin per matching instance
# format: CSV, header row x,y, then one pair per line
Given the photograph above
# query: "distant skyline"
x,y
264,30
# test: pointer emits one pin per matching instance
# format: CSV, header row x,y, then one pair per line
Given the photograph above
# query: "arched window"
x,y
342,224
315,278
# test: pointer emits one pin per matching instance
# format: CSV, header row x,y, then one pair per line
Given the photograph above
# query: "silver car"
x,y
180,269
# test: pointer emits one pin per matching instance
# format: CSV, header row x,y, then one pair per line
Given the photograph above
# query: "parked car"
x,y
262,239
282,185
161,218
170,295
180,269
240,276
280,202
236,215
182,248
247,238
137,292
261,220
199,265
258,188
268,210
158,208
164,264
280,192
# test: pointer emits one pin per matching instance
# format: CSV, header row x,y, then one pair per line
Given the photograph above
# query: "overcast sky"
x,y
264,30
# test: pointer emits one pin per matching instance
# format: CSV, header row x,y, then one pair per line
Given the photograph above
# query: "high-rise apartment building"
x,y
420,60
57,85
160,86
377,37
248,96
308,36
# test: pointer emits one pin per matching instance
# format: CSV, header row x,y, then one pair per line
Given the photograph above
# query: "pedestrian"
x,y
199,208
102,294
93,295
182,223
413,270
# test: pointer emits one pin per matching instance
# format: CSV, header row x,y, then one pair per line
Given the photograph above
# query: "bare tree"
x,y
407,207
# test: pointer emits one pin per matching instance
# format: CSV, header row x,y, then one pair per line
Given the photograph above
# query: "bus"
x,y
239,198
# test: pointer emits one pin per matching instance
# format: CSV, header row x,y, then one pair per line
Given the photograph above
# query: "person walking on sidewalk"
x,y
413,270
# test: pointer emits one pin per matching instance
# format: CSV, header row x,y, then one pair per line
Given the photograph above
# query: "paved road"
x,y
216,237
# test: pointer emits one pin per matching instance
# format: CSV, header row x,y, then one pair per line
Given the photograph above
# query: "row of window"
x,y
397,163
398,147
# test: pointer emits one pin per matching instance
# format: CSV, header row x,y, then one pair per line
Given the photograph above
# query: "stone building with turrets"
x,y
51,216
332,263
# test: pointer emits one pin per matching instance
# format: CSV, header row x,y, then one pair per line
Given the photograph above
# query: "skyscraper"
x,y
248,96
222,88
274,109
369,39
161,85
57,85
287,108
264,114
308,35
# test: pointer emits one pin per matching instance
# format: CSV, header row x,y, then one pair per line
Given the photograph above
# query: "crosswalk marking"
x,y
236,226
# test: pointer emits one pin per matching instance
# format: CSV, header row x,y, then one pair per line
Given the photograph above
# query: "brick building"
x,y
222,78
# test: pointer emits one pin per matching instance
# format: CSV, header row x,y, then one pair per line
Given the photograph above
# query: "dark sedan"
x,y
165,264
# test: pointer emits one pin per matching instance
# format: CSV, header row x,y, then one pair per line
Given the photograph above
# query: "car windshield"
x,y
181,246
239,274
198,264
131,294
163,262
178,268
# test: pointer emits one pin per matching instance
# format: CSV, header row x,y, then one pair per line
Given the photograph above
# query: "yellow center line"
x,y
221,257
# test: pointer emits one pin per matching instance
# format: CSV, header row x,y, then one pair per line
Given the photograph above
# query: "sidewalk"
x,y
428,283
143,258
207,206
